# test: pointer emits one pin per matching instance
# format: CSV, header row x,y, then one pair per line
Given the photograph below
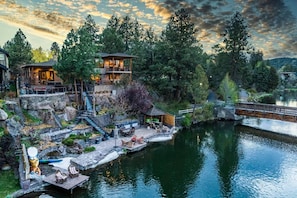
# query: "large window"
x,y
2,59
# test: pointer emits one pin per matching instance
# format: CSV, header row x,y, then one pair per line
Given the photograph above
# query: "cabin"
x,y
4,69
111,68
40,73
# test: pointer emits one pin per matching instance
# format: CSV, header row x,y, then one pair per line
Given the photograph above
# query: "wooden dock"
x,y
135,147
70,184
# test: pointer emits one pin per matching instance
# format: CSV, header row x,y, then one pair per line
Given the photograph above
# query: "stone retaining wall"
x,y
56,101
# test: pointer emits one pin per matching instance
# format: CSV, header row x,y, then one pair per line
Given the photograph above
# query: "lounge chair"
x,y
60,177
140,140
73,172
128,144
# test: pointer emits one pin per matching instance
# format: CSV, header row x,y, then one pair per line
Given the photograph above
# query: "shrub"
x,y
89,149
68,141
187,121
267,99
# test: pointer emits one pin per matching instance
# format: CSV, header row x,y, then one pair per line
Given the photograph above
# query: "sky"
x,y
271,23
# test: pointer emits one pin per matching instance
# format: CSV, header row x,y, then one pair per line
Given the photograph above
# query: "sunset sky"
x,y
272,23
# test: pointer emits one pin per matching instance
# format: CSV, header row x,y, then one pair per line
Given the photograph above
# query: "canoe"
x,y
46,161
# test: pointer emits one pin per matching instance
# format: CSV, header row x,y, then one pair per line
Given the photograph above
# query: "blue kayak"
x,y
46,161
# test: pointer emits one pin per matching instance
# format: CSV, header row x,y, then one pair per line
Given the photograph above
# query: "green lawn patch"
x,y
8,183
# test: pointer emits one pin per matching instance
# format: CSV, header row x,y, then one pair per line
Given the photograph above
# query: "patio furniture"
x,y
60,177
73,172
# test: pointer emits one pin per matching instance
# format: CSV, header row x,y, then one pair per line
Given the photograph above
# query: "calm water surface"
x,y
213,160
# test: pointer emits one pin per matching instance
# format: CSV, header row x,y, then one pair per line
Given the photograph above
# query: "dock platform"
x,y
70,184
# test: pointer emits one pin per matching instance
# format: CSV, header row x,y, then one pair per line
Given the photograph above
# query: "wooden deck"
x,y
70,184
267,111
135,147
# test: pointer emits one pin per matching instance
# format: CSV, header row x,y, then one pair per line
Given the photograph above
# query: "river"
x,y
217,159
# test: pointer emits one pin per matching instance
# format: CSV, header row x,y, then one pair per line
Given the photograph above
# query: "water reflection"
x,y
211,160
172,165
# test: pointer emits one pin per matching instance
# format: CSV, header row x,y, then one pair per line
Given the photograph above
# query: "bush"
x,y
267,99
89,149
68,141
187,121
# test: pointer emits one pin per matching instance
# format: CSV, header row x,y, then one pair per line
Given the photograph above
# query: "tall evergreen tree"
x,y
126,31
237,46
199,85
20,52
265,77
55,49
77,59
178,53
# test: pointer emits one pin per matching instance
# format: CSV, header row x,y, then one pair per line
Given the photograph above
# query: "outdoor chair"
x,y
128,144
60,177
73,172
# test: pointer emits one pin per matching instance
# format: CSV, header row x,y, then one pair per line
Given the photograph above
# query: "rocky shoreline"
x,y
105,151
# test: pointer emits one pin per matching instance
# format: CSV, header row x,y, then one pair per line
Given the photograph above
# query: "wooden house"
x,y
111,69
4,68
40,73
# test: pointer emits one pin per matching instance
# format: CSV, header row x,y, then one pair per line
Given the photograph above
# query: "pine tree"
x,y
177,55
236,40
20,52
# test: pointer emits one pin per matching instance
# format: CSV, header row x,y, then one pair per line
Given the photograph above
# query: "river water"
x,y
212,160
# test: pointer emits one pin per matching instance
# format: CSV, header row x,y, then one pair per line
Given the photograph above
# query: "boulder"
x,y
3,115
70,113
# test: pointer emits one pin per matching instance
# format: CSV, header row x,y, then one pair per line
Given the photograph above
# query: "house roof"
x,y
49,63
154,112
116,55
3,51
3,67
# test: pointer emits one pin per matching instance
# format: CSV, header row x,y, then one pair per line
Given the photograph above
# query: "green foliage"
x,y
228,90
89,149
186,121
4,107
176,56
1,131
111,40
77,59
27,142
70,140
55,49
40,56
19,50
30,118
267,99
204,113
265,77
236,46
172,106
199,85
8,183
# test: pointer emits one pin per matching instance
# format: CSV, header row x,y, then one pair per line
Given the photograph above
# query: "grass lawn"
x,y
8,183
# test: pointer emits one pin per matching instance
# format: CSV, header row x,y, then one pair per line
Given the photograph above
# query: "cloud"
x,y
267,20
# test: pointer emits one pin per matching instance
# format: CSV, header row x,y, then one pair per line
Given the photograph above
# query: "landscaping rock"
x,y
3,115
70,113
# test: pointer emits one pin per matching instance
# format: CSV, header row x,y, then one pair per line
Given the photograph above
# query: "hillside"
x,y
279,62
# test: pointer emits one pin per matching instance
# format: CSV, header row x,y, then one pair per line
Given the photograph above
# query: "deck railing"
x,y
269,108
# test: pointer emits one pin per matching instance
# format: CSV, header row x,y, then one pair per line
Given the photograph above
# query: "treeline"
x,y
172,64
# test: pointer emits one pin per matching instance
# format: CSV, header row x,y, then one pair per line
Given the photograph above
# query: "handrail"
x,y
267,108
